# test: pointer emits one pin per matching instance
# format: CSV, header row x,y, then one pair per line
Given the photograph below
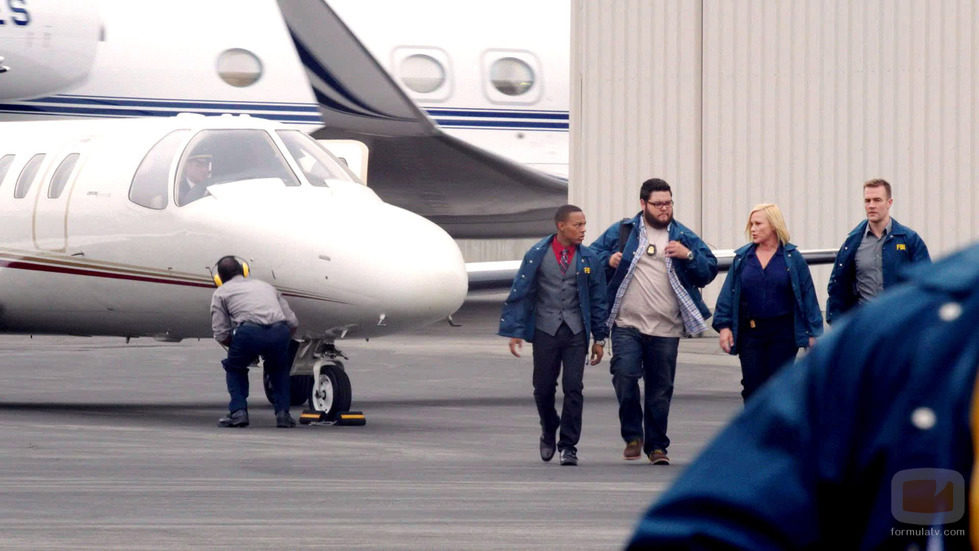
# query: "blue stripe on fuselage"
x,y
298,113
98,106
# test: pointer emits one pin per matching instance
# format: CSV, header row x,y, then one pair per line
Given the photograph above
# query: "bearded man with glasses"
x,y
657,268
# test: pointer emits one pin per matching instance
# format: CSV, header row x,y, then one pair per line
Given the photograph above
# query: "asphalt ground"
x,y
109,445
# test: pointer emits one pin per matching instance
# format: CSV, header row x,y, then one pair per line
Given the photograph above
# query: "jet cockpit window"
x,y
149,187
61,175
5,163
224,156
27,175
316,162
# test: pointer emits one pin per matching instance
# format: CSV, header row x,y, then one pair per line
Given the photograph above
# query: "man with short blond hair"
x,y
873,254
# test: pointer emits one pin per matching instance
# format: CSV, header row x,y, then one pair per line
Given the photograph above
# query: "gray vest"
x,y
557,297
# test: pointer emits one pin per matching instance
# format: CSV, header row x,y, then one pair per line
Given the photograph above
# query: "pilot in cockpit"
x,y
196,178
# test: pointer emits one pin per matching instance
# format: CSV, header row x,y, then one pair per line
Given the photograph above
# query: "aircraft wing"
x,y
470,192
498,276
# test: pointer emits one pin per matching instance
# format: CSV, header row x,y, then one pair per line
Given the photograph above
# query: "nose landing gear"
x,y
330,392
319,379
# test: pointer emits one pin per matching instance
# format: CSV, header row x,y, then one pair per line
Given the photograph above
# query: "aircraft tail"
x,y
470,192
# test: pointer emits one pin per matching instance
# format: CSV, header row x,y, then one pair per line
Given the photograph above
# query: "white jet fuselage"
x,y
94,261
46,47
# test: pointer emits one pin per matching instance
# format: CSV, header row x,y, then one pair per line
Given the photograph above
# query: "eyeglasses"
x,y
660,204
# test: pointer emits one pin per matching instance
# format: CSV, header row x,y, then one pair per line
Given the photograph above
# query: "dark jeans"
x,y
653,359
249,342
763,350
550,352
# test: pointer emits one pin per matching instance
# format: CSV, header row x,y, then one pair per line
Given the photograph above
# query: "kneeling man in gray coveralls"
x,y
252,319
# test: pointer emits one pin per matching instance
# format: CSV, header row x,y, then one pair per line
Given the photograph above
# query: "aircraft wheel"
x,y
299,388
267,385
331,392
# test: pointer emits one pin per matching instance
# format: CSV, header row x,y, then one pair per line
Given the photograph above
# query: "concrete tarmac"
x,y
108,445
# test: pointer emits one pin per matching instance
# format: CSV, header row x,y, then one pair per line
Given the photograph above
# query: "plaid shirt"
x,y
693,320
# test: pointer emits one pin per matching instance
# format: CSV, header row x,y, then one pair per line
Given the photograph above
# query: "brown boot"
x,y
633,450
659,457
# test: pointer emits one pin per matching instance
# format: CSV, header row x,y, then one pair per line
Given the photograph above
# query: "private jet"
x,y
299,64
99,239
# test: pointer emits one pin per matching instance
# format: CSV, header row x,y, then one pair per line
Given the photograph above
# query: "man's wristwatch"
x,y
689,255
600,343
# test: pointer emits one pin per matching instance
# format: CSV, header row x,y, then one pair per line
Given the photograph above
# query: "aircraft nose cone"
x,y
424,268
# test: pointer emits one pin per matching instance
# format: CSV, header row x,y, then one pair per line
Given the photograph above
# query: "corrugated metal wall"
x,y
635,106
792,101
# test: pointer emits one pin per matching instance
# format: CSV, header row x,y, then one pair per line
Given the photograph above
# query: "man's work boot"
x,y
633,450
283,420
237,418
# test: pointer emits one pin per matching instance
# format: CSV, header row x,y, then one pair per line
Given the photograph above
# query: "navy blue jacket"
x,y
519,314
808,318
693,274
811,461
902,246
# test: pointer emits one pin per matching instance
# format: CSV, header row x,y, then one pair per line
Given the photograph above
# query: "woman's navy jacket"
x,y
808,318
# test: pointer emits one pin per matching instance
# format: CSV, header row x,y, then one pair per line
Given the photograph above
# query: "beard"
x,y
656,224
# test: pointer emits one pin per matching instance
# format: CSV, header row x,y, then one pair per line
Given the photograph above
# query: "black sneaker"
x,y
283,420
237,418
569,457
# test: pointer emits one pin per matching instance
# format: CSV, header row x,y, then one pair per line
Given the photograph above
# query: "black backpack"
x,y
624,232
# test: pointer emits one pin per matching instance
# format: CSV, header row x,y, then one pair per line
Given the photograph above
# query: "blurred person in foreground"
x,y
867,443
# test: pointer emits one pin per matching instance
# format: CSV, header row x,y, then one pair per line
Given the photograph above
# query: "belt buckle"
x,y
752,324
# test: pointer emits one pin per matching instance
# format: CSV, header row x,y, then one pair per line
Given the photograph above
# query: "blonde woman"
x,y
767,308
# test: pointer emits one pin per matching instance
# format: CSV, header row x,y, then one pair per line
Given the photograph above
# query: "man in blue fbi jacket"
x,y
658,266
873,254
556,302
867,443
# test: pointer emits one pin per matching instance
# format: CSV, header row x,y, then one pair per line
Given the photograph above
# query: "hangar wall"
x,y
792,101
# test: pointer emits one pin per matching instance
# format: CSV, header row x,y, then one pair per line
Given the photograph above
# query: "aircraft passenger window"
x,y
27,175
5,163
61,175
239,67
227,156
511,76
422,73
152,178
318,164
